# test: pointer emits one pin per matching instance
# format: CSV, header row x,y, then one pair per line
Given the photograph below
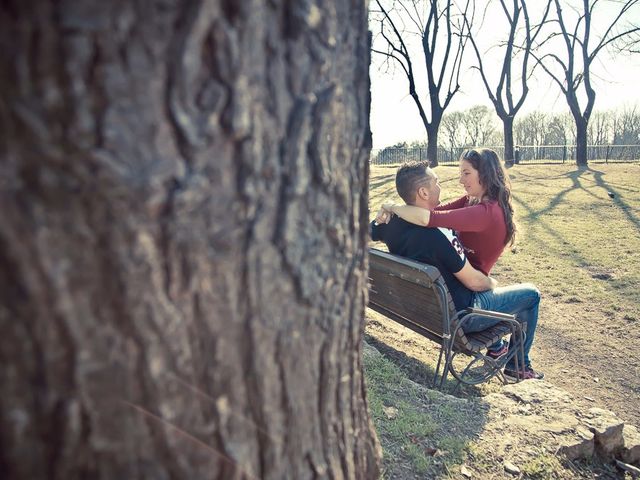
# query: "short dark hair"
x,y
410,177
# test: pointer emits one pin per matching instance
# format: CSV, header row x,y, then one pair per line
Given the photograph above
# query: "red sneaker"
x,y
527,374
495,354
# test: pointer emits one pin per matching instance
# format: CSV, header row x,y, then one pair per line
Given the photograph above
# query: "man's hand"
x,y
474,279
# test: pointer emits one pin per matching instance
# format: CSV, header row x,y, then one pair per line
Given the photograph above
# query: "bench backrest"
x,y
415,295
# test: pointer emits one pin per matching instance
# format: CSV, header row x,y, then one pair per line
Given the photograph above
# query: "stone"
x,y
580,445
631,450
537,393
390,412
511,468
465,472
607,430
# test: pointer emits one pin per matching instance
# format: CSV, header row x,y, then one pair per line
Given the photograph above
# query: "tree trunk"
x,y
432,144
183,239
581,142
507,125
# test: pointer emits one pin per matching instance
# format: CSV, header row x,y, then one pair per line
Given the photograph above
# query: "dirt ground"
x,y
606,373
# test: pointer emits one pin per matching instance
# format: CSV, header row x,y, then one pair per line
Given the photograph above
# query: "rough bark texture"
x,y
432,143
507,130
581,140
183,238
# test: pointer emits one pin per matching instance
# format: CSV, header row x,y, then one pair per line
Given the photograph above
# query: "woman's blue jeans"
x,y
521,300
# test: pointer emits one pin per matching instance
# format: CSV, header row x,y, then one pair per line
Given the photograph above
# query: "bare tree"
x,y
572,71
441,50
627,126
479,125
506,98
599,131
183,239
559,130
452,125
531,129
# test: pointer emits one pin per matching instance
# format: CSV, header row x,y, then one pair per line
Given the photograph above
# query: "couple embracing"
x,y
463,239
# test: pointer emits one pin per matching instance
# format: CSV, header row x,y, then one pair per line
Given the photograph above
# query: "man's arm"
x,y
376,231
474,279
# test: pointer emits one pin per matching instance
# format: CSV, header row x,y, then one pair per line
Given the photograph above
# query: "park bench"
x,y
415,295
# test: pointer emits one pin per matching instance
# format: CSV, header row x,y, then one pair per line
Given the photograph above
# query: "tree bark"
x,y
507,129
581,141
432,143
182,239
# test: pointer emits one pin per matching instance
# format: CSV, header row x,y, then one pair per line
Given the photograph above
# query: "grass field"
x,y
579,242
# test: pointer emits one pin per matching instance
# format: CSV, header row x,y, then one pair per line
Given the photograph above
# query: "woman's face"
x,y
470,180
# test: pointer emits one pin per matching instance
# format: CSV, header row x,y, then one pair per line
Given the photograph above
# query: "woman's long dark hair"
x,y
494,179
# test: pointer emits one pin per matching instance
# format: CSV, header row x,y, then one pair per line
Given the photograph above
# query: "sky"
x,y
394,115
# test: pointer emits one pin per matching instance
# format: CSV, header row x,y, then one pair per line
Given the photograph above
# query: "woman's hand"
x,y
388,206
384,214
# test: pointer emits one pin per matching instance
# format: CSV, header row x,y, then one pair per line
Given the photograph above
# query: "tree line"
x,y
480,126
555,37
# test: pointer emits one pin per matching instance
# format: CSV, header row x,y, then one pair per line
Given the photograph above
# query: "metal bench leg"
x,y
435,375
447,346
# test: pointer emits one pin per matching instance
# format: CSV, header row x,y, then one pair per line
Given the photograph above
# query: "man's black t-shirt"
x,y
436,246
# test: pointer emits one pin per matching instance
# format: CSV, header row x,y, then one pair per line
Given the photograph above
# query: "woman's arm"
x,y
454,204
410,213
474,218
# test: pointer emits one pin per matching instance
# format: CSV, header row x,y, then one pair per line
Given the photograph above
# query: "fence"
x,y
526,154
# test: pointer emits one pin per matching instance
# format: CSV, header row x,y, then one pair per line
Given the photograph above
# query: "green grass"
x,y
421,431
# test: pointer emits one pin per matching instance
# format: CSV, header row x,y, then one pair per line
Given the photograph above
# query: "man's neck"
x,y
424,204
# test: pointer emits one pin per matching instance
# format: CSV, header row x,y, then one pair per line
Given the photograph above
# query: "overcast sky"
x,y
394,116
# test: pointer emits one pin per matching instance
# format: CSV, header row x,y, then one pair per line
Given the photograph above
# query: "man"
x,y
418,185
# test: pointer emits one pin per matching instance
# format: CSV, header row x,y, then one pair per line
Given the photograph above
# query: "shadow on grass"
x,y
419,371
538,216
598,175
382,180
423,433
382,194
617,198
559,197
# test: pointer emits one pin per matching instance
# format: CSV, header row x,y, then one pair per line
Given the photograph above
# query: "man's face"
x,y
429,194
434,192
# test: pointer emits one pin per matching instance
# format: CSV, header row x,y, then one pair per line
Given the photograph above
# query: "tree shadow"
x,y
380,196
381,181
615,194
576,176
418,371
423,432
559,197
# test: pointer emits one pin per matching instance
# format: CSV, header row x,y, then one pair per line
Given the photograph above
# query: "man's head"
x,y
418,185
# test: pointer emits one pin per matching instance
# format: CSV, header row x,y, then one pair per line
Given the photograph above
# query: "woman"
x,y
483,218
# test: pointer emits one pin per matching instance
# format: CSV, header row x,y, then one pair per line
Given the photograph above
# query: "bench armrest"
x,y
468,313
486,313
